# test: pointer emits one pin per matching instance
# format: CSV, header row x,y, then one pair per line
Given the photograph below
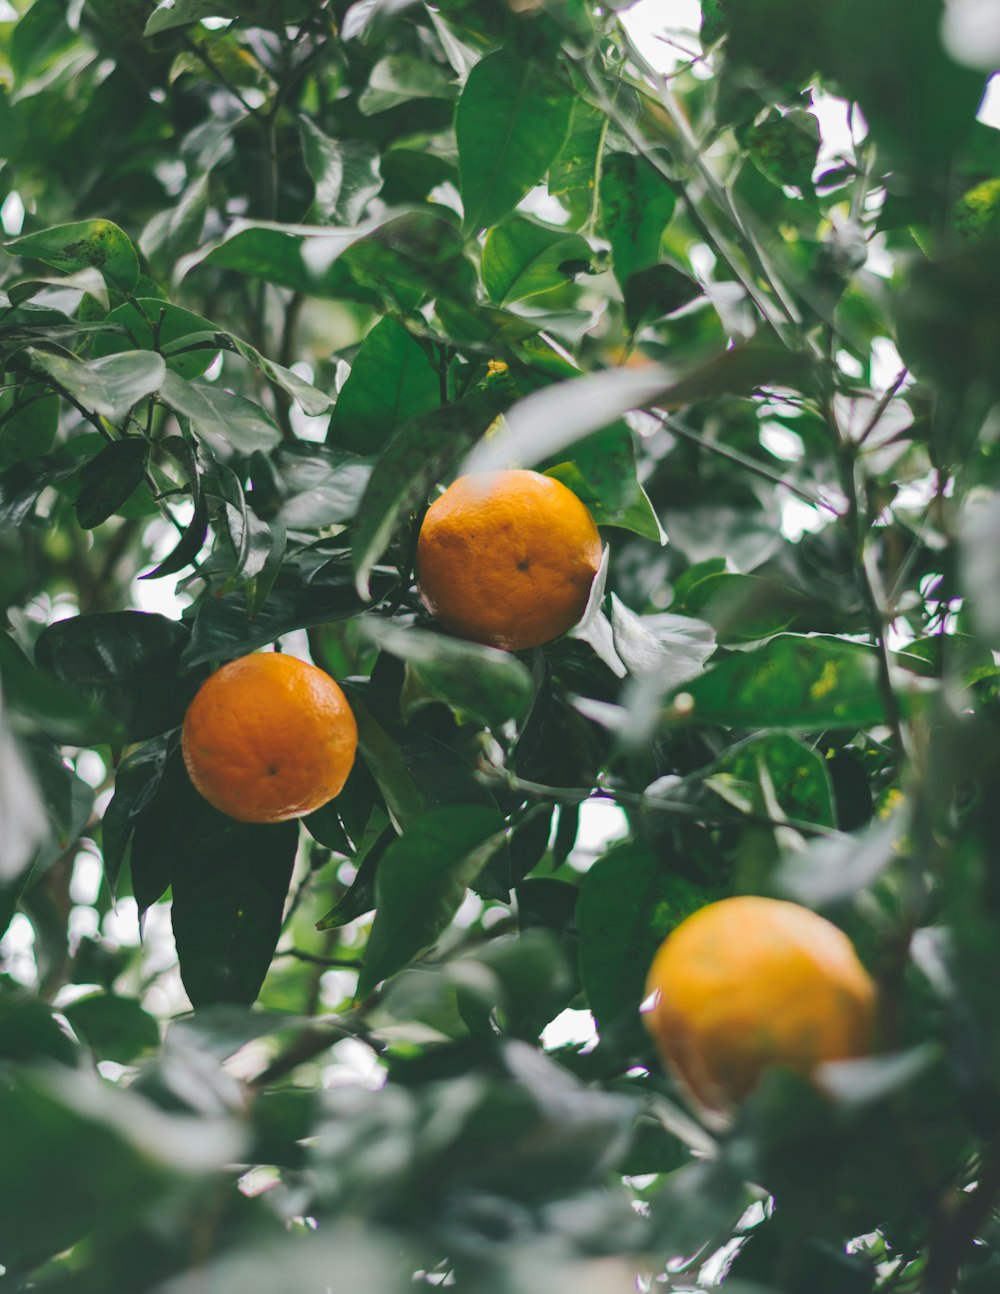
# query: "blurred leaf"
x,y
636,205
522,257
84,1157
229,887
109,480
21,812
345,172
492,686
784,148
384,761
980,557
833,871
110,386
128,662
422,880
217,414
511,122
99,244
666,648
311,399
392,380
802,683
423,451
115,1028
171,233
398,78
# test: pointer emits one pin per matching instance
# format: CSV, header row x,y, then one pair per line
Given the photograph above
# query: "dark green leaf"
x,y
128,662
657,291
43,702
224,628
392,380
108,481
229,886
421,882
523,257
151,324
137,780
115,1028
511,122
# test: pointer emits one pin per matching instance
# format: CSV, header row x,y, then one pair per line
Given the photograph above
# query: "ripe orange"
x,y
507,558
269,737
748,983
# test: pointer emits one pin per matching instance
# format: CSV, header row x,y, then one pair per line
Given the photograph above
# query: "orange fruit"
x,y
747,983
507,558
269,737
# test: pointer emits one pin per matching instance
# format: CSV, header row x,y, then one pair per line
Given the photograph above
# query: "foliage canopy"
x,y
271,272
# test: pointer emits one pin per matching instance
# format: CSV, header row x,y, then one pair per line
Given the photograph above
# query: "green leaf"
x,y
137,780
798,776
21,485
115,1028
636,206
657,291
784,148
128,662
68,801
399,78
90,243
667,649
409,258
89,281
224,627
629,902
110,386
173,327
423,451
229,886
108,481
310,399
44,703
216,414
980,565
324,485
171,233
573,173
392,380
603,474
523,257
24,819
829,872
801,683
492,686
345,172
421,882
383,759
29,418
511,122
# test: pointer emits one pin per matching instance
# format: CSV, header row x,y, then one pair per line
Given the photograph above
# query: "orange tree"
x,y
275,274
